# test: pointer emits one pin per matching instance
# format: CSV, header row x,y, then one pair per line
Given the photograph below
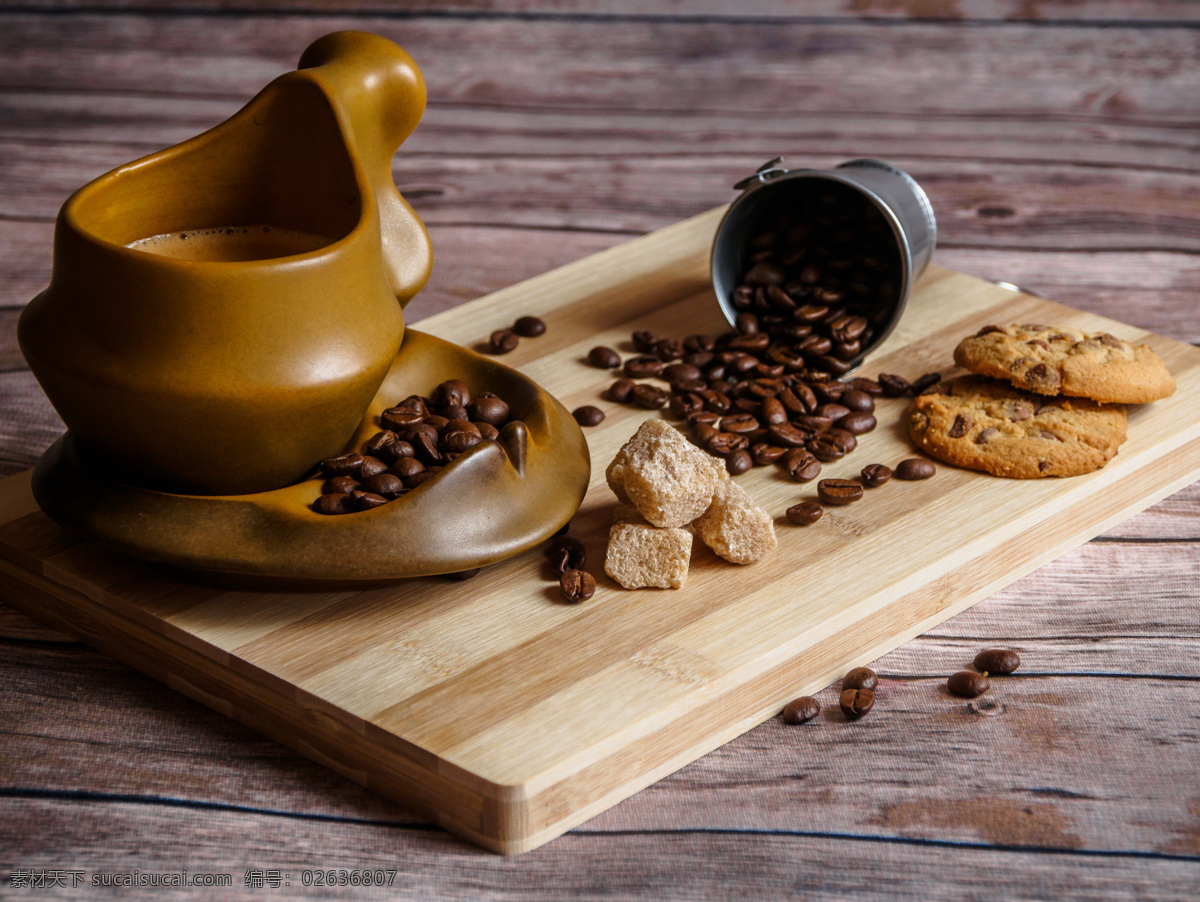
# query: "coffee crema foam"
x,y
231,244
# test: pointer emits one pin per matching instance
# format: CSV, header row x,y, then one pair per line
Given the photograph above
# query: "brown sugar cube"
x,y
668,479
642,556
734,527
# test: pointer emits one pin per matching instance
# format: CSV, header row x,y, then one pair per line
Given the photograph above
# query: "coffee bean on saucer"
x,y
588,415
342,465
487,431
839,491
340,485
804,513
487,408
371,466
334,503
604,358
502,341
577,585
529,326
968,684
875,475
997,660
915,468
377,444
860,678
366,500
389,485
856,702
801,710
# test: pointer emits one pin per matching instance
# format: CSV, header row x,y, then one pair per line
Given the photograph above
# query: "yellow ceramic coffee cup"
x,y
234,363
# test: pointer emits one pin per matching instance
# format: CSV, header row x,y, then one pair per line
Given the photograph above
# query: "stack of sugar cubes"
x,y
665,485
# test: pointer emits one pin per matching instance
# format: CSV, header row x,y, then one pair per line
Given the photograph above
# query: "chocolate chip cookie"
x,y
1053,361
986,425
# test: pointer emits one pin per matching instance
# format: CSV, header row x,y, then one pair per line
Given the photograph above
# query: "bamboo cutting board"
x,y
508,716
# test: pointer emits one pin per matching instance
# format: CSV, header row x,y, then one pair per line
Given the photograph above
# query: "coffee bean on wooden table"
x,y
801,465
649,397
894,386
860,678
566,553
997,660
922,383
644,341
856,702
968,684
801,710
502,341
875,475
604,358
620,390
529,326
643,367
738,462
577,585
805,513
588,415
857,422
915,468
839,491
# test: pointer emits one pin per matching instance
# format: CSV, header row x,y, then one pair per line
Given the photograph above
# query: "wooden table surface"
x,y
1058,143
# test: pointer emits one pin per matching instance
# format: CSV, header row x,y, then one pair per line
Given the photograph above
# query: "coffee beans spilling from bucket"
x,y
420,436
821,282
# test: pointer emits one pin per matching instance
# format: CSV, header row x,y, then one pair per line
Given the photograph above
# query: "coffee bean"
x,y
566,553
459,442
577,586
857,423
825,448
858,400
649,397
894,386
371,466
487,431
588,415
722,444
842,439
738,462
378,444
364,501
801,465
915,468
643,367
620,390
968,684
340,485
875,475
866,386
922,383
740,422
407,467
487,408
502,341
763,454
997,660
839,491
452,391
342,465
832,412
604,358
681,372
389,485
746,323
667,349
860,678
856,702
787,435
801,710
804,513
644,341
529,327
400,418
333,503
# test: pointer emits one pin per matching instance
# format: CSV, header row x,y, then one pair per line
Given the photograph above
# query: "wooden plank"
x,y
1048,11
374,683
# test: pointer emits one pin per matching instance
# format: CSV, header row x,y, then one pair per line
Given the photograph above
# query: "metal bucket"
x,y
876,214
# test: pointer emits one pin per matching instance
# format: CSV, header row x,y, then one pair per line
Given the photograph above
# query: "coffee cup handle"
x,y
379,95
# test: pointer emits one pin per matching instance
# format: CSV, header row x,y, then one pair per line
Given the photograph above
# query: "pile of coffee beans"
x,y
420,435
822,281
502,341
